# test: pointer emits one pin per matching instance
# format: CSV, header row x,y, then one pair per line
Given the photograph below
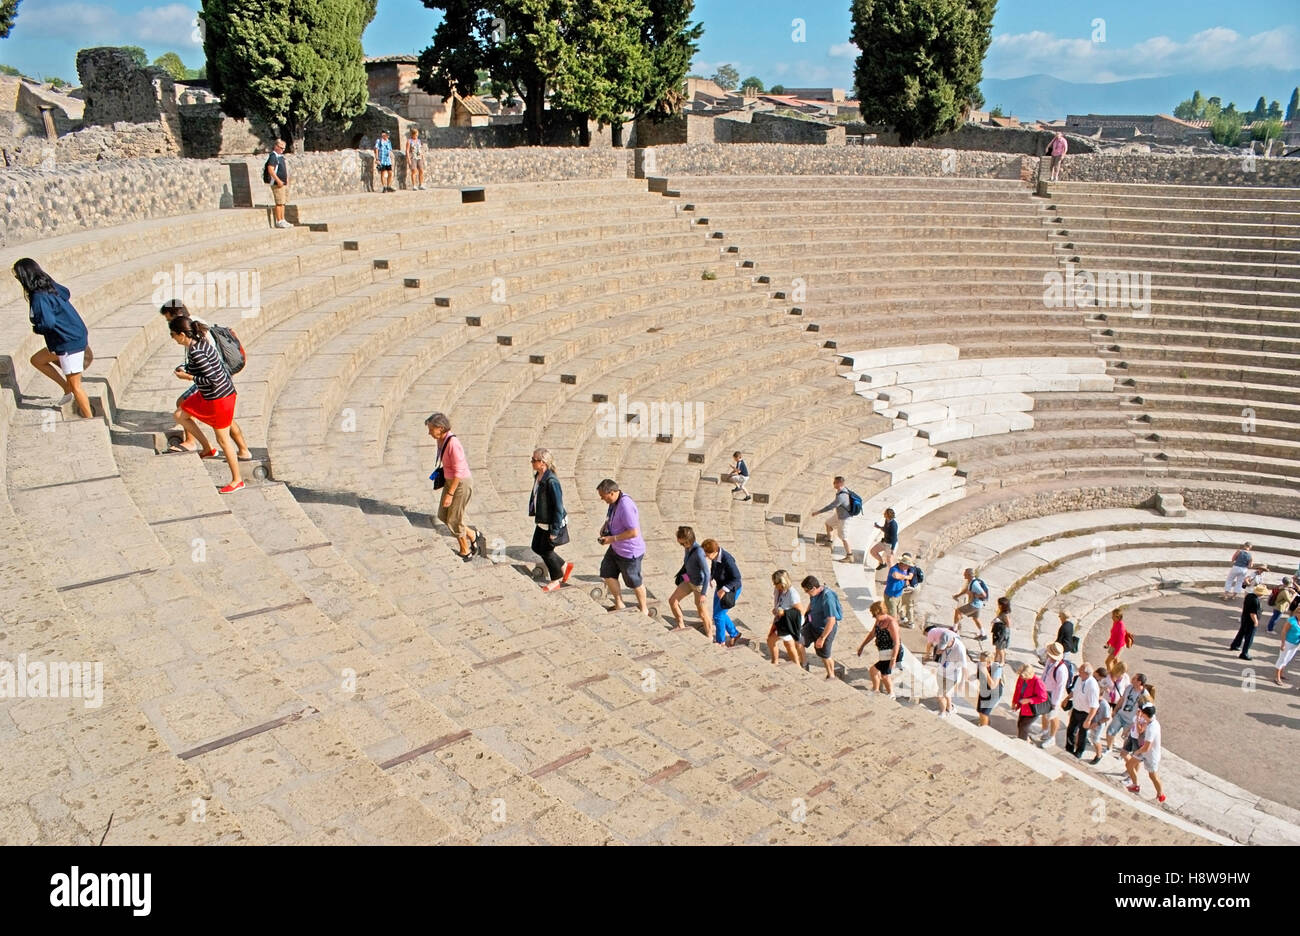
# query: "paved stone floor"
x,y
1211,715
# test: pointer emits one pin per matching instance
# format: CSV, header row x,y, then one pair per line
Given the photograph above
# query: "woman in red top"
x,y
1029,692
1118,638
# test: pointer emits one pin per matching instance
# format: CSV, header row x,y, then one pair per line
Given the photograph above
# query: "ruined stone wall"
x,y
794,159
1182,170
119,91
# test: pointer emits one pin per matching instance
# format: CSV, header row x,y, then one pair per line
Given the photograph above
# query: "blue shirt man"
x,y
822,622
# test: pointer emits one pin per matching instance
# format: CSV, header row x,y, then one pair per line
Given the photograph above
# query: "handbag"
x,y
438,478
563,537
1128,640
1067,705
728,600
1042,708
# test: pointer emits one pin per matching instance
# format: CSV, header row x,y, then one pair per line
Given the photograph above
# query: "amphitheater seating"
x,y
333,673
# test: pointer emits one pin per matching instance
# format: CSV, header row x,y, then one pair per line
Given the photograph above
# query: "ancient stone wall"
x,y
119,91
793,159
41,203
1183,170
208,133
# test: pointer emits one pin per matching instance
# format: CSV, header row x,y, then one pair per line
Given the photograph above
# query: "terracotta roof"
x,y
473,104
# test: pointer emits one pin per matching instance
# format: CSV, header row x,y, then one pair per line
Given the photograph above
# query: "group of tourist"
x,y
210,398
1246,581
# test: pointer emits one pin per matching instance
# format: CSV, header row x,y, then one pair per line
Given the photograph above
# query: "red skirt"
x,y
218,414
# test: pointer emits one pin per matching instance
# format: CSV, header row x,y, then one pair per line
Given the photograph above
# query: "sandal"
x,y
177,448
210,453
1134,789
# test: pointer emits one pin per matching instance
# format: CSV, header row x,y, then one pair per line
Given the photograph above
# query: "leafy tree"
x,y
726,77
10,71
1191,109
754,82
1293,108
591,59
1274,111
8,13
56,82
1226,128
137,54
1260,109
776,89
1231,109
291,64
172,64
921,61
604,66
1265,130
996,111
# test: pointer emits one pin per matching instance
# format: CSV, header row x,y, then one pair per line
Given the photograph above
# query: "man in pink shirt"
x,y
453,472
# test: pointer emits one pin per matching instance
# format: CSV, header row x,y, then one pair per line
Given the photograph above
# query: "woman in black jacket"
x,y
546,507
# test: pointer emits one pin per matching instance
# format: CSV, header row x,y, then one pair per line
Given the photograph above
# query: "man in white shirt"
x,y
1056,676
1084,702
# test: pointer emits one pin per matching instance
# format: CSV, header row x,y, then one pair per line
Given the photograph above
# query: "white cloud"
x,y
170,25
844,50
1081,60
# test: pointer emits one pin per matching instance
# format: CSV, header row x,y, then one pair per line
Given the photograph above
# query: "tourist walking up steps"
x,y
170,310
691,579
1001,630
546,507
1119,638
621,533
897,580
842,507
822,622
1065,635
1125,712
1057,149
788,608
452,477
1146,731
739,475
1249,621
1280,601
275,173
907,601
883,552
976,593
67,342
1029,699
1234,586
1105,703
726,591
889,648
214,403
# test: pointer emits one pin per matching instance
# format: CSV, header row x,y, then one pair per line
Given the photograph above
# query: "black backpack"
x,y
232,352
917,575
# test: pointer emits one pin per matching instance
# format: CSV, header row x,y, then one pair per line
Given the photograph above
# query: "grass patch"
x,y
708,275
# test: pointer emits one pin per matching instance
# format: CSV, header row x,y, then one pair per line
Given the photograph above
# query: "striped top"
x,y
203,363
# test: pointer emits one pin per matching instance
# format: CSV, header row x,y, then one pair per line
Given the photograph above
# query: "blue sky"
x,y
1159,37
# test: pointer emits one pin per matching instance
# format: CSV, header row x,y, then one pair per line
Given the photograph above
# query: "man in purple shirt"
x,y
622,534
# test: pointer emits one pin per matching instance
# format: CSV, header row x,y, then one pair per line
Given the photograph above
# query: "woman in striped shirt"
x,y
214,403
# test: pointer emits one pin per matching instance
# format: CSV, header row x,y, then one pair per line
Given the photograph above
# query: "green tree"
x,y
673,41
921,61
726,77
172,64
753,81
996,111
776,89
8,13
1260,109
1213,108
56,82
1293,107
1274,111
1226,128
137,54
10,71
291,64
1191,109
1269,129
604,66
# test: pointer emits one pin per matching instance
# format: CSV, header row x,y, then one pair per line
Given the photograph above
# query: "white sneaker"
x,y
66,399
283,224
1048,743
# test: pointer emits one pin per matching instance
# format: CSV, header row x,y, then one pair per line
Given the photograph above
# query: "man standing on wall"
x,y
276,174
384,161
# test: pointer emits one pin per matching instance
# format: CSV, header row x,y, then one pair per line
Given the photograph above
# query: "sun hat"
x,y
905,559
1055,651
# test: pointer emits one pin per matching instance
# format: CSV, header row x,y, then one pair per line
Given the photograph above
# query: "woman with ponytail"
x,y
67,343
214,403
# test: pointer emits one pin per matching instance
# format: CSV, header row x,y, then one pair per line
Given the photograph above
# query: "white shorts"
x,y
73,363
835,524
1286,655
1151,762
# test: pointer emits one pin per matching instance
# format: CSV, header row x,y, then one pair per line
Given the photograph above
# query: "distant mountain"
x,y
1042,97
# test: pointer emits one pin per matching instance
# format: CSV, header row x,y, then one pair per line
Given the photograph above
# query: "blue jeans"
x,y
722,626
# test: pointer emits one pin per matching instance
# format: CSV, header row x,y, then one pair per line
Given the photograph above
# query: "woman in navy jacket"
x,y
546,507
67,343
726,581
691,579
